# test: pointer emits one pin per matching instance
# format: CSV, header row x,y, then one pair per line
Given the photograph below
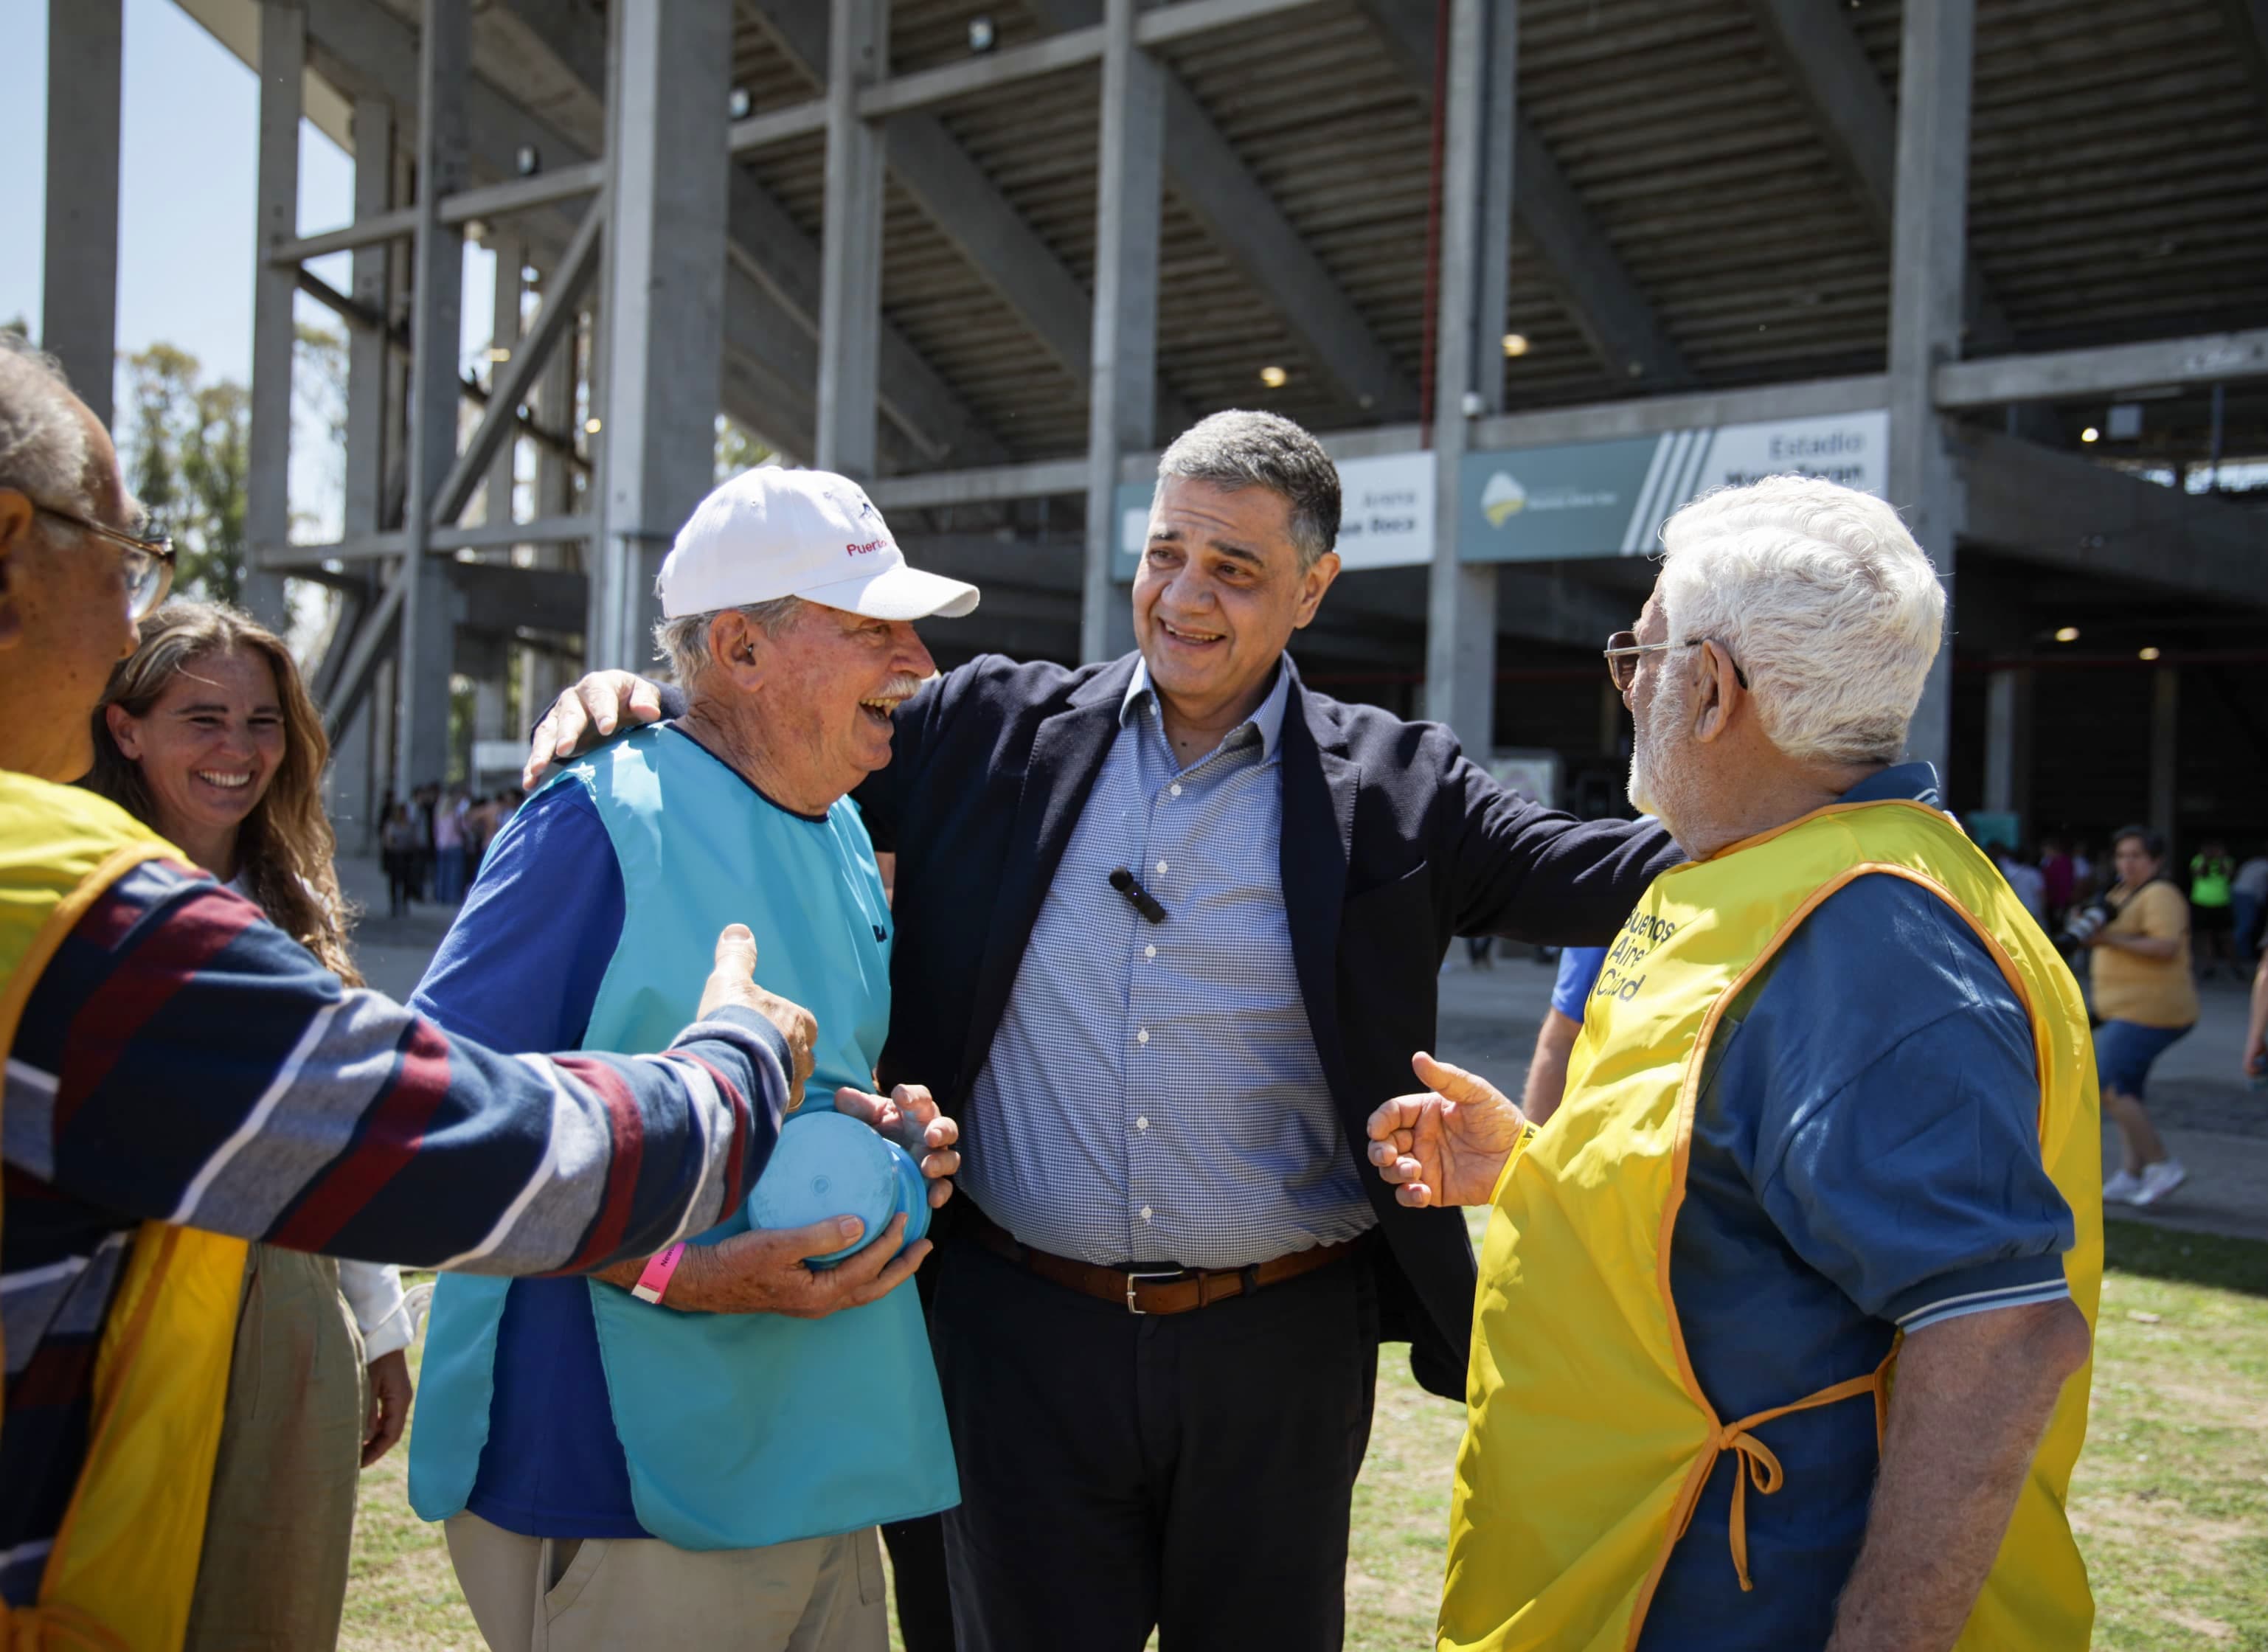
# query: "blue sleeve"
x,y
1896,1133
1579,972
520,967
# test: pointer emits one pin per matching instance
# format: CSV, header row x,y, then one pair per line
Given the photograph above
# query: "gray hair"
x,y
684,642
1824,598
43,448
1240,449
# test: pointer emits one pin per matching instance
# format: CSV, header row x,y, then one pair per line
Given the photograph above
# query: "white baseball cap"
x,y
772,532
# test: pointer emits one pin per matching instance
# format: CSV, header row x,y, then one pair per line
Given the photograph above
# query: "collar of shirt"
x,y
1267,717
1914,781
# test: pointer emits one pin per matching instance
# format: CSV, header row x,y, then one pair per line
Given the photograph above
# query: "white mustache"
x,y
904,686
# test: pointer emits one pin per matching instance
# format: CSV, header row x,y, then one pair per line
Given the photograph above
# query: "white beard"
x,y
1653,789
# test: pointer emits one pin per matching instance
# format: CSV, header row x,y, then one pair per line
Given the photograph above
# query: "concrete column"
x,y
362,765
850,245
1928,258
275,289
1122,392
370,440
504,335
664,308
1468,353
436,319
542,673
2008,745
78,305
2165,753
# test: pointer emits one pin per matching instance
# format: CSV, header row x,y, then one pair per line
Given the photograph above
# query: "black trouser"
x,y
1191,1472
918,1567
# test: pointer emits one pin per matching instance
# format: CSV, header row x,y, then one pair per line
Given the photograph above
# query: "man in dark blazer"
x,y
1168,931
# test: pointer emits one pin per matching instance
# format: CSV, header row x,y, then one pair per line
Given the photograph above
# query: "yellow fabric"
x,y
1588,1440
2150,991
124,1563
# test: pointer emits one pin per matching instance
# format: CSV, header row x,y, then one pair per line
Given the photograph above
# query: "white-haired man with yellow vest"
x,y
1784,1319
182,1077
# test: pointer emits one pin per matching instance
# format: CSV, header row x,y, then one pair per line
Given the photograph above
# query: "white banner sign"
x,y
1849,448
1386,518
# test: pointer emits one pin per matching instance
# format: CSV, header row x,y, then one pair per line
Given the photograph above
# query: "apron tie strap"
x,y
1755,1460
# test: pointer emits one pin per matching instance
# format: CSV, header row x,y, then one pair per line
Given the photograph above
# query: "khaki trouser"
x,y
600,1594
273,1575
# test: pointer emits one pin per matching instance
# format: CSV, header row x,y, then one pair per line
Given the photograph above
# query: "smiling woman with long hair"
x,y
207,733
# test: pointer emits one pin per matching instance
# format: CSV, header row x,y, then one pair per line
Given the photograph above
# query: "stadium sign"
x,y
1610,498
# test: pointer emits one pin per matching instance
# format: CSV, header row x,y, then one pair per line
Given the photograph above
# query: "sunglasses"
x,y
1624,648
149,561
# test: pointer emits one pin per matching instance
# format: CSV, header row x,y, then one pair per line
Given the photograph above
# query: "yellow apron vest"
x,y
1586,1447
125,1561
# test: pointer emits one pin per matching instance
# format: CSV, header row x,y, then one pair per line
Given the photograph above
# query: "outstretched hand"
x,y
585,714
908,1116
1447,1145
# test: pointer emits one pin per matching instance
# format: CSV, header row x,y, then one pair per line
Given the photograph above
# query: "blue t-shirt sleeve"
x,y
1579,972
1897,1103
520,967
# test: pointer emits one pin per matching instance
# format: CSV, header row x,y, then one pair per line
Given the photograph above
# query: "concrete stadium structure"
x,y
1539,270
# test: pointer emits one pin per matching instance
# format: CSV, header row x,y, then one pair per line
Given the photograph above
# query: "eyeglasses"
x,y
1623,650
149,562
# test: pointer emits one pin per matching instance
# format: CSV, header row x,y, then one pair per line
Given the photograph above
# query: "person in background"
x,y
2058,877
184,1077
2210,895
2025,878
424,802
2254,1065
449,848
2247,894
2146,999
1480,951
1554,1039
207,734
398,855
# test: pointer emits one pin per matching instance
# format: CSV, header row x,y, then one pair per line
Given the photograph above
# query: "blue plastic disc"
x,y
827,1166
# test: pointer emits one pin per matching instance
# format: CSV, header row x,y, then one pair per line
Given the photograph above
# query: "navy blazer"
x,y
1393,843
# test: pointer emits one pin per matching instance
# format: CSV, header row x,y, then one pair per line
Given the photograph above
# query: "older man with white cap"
x,y
693,1451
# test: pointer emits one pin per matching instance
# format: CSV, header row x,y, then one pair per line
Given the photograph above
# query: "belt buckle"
x,y
1133,1279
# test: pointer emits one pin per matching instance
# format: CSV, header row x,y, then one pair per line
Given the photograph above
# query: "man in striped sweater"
x,y
175,1062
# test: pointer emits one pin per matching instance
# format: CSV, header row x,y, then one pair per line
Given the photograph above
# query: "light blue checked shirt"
x,y
1153,1094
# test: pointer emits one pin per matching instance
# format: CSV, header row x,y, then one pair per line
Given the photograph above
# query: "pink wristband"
x,y
658,1270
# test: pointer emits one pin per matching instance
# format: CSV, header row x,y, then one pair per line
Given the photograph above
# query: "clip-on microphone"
x,y
1143,902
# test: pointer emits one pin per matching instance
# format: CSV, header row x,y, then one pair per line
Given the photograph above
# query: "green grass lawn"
x,y
2170,1500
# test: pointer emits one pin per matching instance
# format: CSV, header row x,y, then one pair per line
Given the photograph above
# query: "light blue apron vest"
x,y
741,1431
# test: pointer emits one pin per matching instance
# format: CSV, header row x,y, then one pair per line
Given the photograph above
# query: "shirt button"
x,y
1161,868
1142,1037
1146,1213
1175,789
1149,951
1141,1124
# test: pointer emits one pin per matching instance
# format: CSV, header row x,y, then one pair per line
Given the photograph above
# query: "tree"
x,y
737,451
188,454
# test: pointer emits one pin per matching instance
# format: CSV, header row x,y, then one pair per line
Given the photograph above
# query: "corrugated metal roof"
x,y
2119,189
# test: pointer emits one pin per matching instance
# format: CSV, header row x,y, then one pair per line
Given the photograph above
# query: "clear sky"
x,y
190,130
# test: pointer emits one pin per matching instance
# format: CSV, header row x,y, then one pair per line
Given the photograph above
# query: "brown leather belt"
x,y
1178,1291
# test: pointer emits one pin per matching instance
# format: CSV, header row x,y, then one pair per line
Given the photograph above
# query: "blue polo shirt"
x,y
520,970
1579,972
1865,1158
